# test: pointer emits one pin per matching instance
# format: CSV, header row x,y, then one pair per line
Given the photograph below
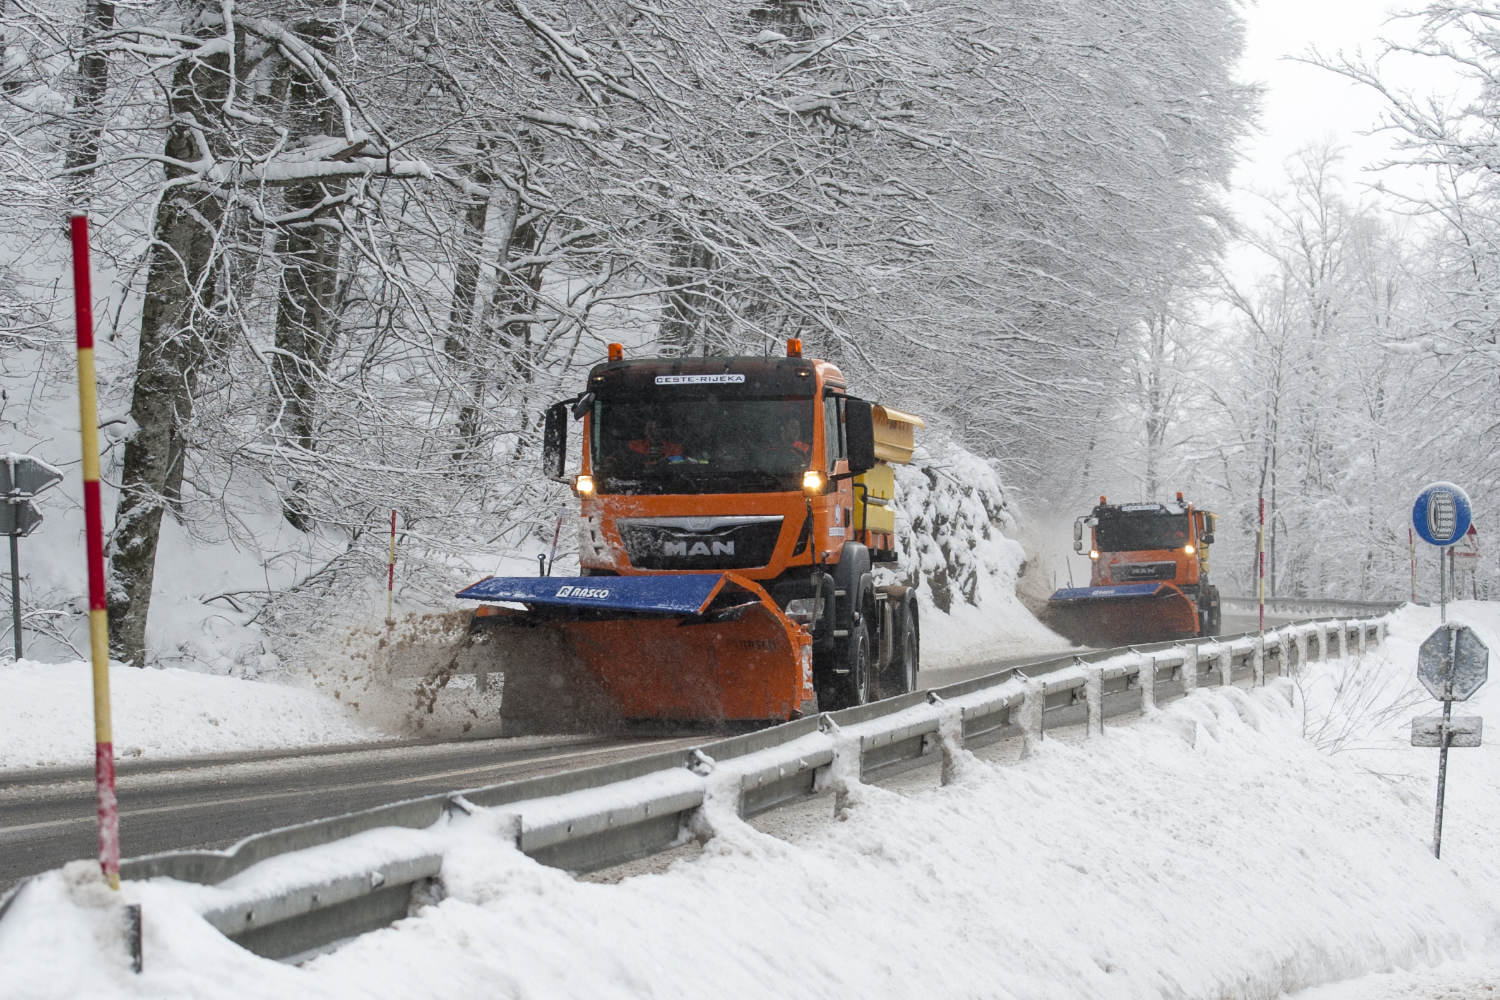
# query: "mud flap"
x,y
589,651
1122,614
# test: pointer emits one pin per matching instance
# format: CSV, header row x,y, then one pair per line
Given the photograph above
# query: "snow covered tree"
x,y
1313,421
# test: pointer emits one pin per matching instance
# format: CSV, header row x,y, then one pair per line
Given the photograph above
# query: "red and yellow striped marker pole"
x,y
390,579
88,421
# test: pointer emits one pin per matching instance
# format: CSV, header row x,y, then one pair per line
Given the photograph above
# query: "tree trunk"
x,y
93,81
180,293
684,323
459,344
308,245
513,303
9,83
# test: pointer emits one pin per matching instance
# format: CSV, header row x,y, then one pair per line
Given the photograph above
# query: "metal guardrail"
x,y
598,817
1316,606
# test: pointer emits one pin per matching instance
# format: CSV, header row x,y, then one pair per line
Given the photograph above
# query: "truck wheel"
x,y
853,686
908,648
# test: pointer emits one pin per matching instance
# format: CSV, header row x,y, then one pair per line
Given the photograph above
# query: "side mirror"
x,y
581,405
1210,522
555,441
859,430
1078,536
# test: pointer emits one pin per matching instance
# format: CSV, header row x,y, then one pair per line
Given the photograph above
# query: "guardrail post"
x,y
1093,692
1258,662
1189,668
133,937
1033,707
1322,633
950,733
1226,665
847,768
1284,647
1301,640
1146,672
1364,638
723,798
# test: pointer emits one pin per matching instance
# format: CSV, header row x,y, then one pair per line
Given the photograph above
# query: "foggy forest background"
x,y
346,252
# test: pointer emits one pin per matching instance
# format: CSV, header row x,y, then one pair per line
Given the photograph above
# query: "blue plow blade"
x,y
1069,594
678,594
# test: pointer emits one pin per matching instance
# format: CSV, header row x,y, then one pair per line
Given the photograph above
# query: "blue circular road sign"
x,y
1441,514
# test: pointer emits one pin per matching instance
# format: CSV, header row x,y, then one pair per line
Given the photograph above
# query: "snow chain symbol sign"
x,y
1441,514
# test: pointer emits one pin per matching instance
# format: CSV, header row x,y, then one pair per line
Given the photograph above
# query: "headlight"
x,y
583,485
812,482
1093,553
1188,548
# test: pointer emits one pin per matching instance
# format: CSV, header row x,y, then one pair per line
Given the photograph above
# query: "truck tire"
x,y
1215,612
854,680
844,673
906,660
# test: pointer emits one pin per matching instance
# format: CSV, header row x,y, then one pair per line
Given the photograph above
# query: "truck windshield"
x,y
1122,532
701,445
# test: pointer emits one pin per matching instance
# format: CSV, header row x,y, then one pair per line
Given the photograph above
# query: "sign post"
x,y
21,478
1466,557
1452,663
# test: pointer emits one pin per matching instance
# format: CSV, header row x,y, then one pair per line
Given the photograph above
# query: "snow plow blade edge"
x,y
587,652
1121,614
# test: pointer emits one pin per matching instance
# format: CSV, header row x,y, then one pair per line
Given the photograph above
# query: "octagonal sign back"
x,y
1453,651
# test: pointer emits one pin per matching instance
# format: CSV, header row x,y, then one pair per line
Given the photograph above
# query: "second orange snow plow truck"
x,y
1148,580
732,511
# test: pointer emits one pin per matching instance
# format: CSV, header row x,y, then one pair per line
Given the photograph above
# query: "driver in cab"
x,y
653,447
793,447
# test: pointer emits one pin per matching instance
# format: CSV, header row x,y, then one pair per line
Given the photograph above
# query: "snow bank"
x,y
1207,850
47,715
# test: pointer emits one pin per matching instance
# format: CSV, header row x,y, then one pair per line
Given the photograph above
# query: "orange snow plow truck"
x,y
732,513
1148,580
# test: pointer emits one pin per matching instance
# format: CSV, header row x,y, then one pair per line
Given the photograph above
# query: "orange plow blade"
x,y
1122,615
710,649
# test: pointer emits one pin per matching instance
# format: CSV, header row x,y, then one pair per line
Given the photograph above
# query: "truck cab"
x,y
1148,575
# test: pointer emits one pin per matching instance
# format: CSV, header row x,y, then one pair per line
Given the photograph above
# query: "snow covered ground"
x,y
1235,844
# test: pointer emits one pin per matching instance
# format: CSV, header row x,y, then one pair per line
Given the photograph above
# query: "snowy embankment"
x,y
1236,843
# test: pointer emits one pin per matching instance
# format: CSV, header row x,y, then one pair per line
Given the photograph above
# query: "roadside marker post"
x,y
390,580
107,807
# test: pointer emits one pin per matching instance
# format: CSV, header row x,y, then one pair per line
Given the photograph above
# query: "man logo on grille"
x,y
700,548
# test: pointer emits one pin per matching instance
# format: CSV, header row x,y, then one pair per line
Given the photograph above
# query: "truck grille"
x,y
700,542
1146,571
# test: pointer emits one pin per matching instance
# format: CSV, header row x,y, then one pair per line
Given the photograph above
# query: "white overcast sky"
x,y
1303,104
